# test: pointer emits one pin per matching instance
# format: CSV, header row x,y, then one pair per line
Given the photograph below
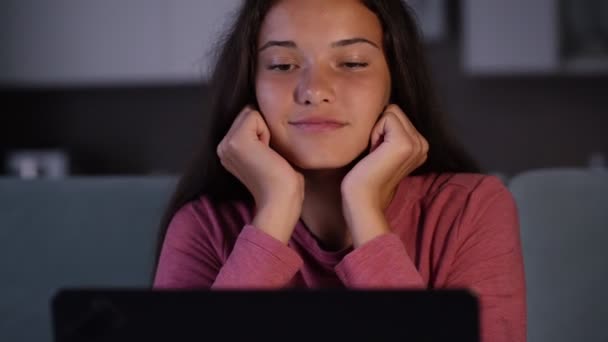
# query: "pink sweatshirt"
x,y
448,231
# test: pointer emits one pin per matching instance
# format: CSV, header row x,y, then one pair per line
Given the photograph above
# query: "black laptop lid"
x,y
293,315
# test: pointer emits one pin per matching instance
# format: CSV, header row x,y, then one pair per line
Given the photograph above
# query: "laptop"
x,y
287,315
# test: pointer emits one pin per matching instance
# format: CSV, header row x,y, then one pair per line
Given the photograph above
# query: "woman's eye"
x,y
282,67
354,65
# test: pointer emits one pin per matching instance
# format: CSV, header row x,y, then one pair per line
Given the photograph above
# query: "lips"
x,y
317,121
317,124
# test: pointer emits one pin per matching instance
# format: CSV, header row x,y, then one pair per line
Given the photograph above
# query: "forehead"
x,y
321,20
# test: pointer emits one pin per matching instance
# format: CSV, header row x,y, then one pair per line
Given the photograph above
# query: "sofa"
x,y
76,232
564,230
101,232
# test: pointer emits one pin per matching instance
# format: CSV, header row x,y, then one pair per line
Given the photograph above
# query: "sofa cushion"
x,y
564,232
77,232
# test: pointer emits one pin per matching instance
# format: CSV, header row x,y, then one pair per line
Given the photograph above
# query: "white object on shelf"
x,y
34,164
597,160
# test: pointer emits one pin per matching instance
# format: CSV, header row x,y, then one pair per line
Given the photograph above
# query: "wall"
x,y
509,124
513,124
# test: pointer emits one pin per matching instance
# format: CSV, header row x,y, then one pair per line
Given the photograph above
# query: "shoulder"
x,y
225,213
464,182
206,221
474,203
459,197
458,186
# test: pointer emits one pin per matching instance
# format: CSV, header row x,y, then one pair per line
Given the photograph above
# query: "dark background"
x,y
508,123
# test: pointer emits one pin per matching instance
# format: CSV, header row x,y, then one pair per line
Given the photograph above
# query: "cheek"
x,y
366,97
273,96
263,94
274,102
374,84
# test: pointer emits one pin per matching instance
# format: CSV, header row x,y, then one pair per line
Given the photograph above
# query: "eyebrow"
x,y
340,43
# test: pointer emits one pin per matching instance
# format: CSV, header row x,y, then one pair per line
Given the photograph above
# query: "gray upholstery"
x,y
564,227
102,232
73,232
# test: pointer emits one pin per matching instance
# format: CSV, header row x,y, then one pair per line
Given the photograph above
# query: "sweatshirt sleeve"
x,y
381,263
191,256
486,259
489,261
258,261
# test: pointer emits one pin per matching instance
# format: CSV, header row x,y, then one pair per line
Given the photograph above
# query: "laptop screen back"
x,y
291,315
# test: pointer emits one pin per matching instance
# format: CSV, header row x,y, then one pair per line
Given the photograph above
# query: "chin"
x,y
324,161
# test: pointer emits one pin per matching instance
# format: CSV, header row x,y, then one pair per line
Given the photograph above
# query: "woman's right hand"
x,y
278,189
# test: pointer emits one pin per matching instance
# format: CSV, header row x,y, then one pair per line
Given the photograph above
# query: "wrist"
x,y
277,221
364,222
356,202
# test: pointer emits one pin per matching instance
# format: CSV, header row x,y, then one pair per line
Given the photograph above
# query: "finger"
x,y
236,123
261,128
393,130
239,131
250,126
402,118
420,143
378,132
422,146
234,128
243,115
408,144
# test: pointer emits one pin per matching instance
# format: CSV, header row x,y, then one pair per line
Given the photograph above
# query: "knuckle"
x,y
425,143
422,160
392,108
232,146
391,116
425,146
405,149
425,156
246,111
228,147
251,114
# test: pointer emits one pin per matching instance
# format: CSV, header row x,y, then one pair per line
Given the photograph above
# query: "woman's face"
x,y
322,80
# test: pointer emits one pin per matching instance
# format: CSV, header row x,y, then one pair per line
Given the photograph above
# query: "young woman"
x,y
326,165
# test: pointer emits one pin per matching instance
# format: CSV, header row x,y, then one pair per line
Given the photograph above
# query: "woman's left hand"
x,y
396,150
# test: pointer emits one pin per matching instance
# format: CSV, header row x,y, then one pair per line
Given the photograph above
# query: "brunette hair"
x,y
231,87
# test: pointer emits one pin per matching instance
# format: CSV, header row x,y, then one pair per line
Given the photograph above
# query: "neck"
x,y
322,208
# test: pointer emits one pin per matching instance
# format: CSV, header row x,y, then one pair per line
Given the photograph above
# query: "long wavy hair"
x,y
232,87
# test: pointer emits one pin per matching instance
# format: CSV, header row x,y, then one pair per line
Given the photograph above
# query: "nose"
x,y
314,87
